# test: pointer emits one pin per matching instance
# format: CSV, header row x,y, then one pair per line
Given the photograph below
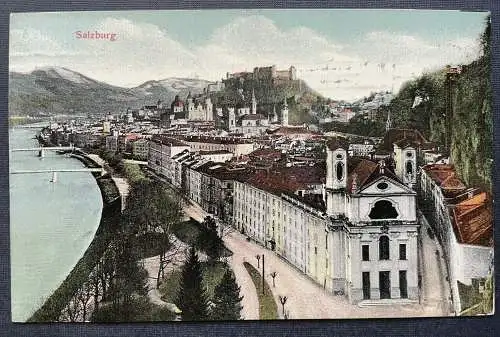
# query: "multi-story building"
x,y
161,151
140,148
462,220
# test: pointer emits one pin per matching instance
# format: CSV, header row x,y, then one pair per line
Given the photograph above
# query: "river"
x,y
51,224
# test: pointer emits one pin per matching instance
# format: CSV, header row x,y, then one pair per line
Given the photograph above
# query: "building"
x,y
382,229
140,148
361,148
161,151
462,220
217,156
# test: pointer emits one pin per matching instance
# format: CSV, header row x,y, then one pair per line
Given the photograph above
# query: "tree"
x,y
151,208
273,275
227,299
192,298
209,239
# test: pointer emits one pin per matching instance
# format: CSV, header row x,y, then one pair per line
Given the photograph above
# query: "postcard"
x,y
274,164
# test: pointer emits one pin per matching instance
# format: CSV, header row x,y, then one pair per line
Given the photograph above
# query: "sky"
x,y
342,54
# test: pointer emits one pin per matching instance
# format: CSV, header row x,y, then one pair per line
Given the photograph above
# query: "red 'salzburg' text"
x,y
95,35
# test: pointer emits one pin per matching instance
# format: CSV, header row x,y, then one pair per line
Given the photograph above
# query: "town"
x,y
377,226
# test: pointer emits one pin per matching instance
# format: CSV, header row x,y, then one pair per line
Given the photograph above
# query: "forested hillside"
x,y
466,127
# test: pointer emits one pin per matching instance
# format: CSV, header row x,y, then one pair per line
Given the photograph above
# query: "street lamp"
x,y
258,260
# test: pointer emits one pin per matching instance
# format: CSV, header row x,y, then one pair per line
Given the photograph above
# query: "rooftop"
x,y
288,179
170,141
214,152
444,175
398,135
473,220
214,139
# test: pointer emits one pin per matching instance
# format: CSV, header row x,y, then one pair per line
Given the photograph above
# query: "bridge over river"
x,y
55,171
41,150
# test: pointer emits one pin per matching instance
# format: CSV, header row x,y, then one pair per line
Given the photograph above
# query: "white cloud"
x,y
379,61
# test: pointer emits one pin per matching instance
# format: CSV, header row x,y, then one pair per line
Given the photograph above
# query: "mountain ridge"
x,y
61,90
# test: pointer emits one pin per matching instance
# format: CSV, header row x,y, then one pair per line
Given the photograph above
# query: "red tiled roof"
x,y
473,220
288,179
445,177
168,141
394,135
361,169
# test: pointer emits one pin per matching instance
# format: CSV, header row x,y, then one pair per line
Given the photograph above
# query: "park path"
x,y
152,264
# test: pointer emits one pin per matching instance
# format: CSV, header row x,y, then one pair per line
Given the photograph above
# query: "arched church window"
x,y
383,247
409,167
383,209
339,170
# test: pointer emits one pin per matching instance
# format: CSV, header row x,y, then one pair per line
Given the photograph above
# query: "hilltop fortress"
x,y
264,74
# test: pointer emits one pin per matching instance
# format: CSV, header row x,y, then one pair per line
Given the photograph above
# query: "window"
x,y
383,248
409,167
402,251
339,169
365,252
383,209
382,185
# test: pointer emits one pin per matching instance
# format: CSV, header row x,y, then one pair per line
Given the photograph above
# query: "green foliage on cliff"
x,y
470,129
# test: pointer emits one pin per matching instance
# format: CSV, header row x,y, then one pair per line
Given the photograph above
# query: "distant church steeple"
x,y
388,124
284,114
254,103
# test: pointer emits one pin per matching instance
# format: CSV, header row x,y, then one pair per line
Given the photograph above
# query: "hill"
x,y
60,90
455,112
270,96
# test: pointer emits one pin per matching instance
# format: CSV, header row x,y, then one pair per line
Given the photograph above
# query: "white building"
x,y
462,219
161,151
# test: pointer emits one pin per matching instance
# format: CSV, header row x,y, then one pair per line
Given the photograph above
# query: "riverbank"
x,y
51,310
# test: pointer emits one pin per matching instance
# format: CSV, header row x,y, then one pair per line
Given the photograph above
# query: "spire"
x,y
388,124
254,102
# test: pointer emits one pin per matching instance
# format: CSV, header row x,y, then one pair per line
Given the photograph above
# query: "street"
x,y
435,289
308,300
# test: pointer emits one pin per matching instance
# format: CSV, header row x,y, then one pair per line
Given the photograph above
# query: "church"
x,y
247,121
372,210
351,227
